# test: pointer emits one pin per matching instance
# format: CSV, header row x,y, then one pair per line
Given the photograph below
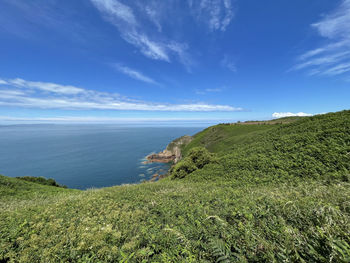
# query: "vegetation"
x,y
196,159
221,138
14,190
316,147
41,180
242,193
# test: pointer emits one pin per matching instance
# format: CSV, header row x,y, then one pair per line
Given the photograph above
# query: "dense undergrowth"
x,y
316,147
41,180
280,193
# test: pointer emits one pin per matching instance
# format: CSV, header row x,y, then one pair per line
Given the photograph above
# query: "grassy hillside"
x,y
316,147
220,138
22,189
266,193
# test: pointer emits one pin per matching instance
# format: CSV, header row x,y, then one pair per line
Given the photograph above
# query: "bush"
x,y
183,168
41,180
200,156
197,158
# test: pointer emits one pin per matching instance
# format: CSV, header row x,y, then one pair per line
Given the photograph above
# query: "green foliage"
x,y
220,138
173,221
220,251
41,180
13,190
200,157
197,158
317,147
182,169
279,194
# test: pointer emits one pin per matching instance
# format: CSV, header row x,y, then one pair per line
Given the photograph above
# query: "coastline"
x,y
171,154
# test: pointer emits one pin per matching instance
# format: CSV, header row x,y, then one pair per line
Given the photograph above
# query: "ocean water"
x,y
85,156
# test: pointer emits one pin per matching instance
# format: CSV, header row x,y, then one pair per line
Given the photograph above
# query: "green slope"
x,y
21,189
316,147
270,193
17,193
221,138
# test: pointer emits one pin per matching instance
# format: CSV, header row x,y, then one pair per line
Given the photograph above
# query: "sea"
x,y
85,156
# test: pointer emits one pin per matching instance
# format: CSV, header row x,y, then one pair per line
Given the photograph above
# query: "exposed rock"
x,y
154,177
172,153
162,157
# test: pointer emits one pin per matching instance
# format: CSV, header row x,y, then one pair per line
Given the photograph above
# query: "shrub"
x,y
183,168
197,158
200,156
41,180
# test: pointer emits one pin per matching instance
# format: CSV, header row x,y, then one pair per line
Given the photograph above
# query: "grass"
x,y
17,193
273,193
41,180
218,138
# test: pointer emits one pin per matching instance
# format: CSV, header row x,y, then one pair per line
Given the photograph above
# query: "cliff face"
x,y
172,153
162,157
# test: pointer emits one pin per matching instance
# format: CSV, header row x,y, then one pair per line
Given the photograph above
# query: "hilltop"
x,y
241,193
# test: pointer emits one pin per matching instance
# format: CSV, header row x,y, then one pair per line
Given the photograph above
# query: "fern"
x,y
220,251
218,219
180,237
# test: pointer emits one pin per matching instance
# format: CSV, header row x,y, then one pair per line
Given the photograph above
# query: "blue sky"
x,y
175,60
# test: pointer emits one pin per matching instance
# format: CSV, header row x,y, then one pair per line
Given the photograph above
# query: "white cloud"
x,y
228,63
217,14
122,16
205,91
336,24
44,86
152,49
10,93
153,14
290,114
156,47
115,11
133,20
55,96
338,69
332,58
213,90
134,74
109,120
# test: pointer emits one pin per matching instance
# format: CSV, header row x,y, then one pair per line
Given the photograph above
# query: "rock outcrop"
x,y
172,153
162,157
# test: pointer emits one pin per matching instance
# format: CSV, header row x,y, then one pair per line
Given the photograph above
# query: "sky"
x,y
113,61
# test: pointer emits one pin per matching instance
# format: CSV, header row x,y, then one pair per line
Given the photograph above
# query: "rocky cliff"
x,y
172,153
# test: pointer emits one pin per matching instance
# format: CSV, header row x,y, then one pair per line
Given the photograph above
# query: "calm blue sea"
x,y
84,156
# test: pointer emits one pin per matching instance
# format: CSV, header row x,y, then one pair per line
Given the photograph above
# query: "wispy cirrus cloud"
x,y
133,20
290,114
153,13
34,94
42,86
228,63
332,58
123,17
217,14
134,73
206,91
154,27
131,30
213,90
